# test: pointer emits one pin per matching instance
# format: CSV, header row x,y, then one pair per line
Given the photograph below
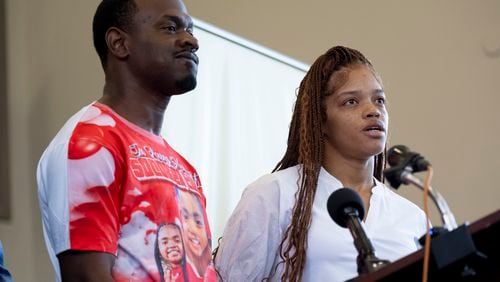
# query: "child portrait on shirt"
x,y
194,231
169,253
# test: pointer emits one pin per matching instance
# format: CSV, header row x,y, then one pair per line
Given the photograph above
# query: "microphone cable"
x,y
427,244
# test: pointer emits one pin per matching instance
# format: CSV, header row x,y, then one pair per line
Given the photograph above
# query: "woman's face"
x,y
356,115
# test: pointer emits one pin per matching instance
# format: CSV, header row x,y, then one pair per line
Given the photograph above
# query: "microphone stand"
x,y
446,216
451,245
403,175
366,260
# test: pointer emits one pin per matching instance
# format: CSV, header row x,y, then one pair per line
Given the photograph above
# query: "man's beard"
x,y
186,84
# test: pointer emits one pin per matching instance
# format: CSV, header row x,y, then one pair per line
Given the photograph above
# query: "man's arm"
x,y
4,273
86,266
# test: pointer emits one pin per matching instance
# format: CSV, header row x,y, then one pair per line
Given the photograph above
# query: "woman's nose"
x,y
372,111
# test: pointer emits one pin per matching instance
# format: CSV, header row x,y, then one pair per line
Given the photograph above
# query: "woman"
x,y
281,228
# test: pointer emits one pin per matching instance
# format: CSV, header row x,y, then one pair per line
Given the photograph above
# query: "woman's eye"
x,y
350,102
381,101
190,31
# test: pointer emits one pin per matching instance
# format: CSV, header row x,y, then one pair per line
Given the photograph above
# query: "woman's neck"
x,y
352,173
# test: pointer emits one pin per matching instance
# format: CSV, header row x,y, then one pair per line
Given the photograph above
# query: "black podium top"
x,y
486,236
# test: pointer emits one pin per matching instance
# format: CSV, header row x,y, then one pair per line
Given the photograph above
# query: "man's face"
x,y
170,244
195,234
162,47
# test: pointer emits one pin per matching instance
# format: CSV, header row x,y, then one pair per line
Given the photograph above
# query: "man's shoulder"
x,y
88,130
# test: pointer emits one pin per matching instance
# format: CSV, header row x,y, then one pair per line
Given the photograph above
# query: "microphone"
x,y
401,156
403,163
344,203
450,244
346,209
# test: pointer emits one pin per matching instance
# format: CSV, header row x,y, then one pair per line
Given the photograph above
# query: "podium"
x,y
485,266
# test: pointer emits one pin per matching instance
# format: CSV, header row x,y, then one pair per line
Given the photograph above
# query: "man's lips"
x,y
187,55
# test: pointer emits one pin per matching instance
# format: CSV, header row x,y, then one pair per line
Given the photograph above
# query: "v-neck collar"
x,y
376,194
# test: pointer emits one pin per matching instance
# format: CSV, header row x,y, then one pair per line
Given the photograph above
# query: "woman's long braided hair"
x,y
305,147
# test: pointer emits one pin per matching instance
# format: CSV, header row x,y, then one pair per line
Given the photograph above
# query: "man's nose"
x,y
189,40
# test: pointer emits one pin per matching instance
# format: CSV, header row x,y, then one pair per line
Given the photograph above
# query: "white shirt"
x,y
249,249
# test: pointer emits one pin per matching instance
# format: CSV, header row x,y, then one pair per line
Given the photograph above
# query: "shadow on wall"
x,y
491,53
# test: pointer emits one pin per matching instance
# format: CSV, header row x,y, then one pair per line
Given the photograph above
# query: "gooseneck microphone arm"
x,y
366,260
447,217
403,164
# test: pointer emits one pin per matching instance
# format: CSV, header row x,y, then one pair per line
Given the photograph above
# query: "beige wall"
x,y
52,72
440,62
442,83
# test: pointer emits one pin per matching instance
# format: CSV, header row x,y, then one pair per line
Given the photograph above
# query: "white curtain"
x,y
233,127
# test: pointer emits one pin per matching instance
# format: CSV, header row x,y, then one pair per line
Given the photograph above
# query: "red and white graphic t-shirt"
x,y
107,185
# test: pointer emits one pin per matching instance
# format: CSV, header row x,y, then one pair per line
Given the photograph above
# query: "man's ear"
x,y
116,39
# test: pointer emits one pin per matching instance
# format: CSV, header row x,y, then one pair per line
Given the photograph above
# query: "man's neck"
x,y
136,104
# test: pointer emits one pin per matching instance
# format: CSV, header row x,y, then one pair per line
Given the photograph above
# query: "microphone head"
x,y
401,155
397,154
341,199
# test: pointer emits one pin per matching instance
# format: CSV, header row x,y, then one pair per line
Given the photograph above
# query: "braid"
x,y
378,171
305,147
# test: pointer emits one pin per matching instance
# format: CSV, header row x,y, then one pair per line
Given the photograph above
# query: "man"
x,y
4,273
108,180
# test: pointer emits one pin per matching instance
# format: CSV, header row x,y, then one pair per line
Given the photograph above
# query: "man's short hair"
x,y
111,13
